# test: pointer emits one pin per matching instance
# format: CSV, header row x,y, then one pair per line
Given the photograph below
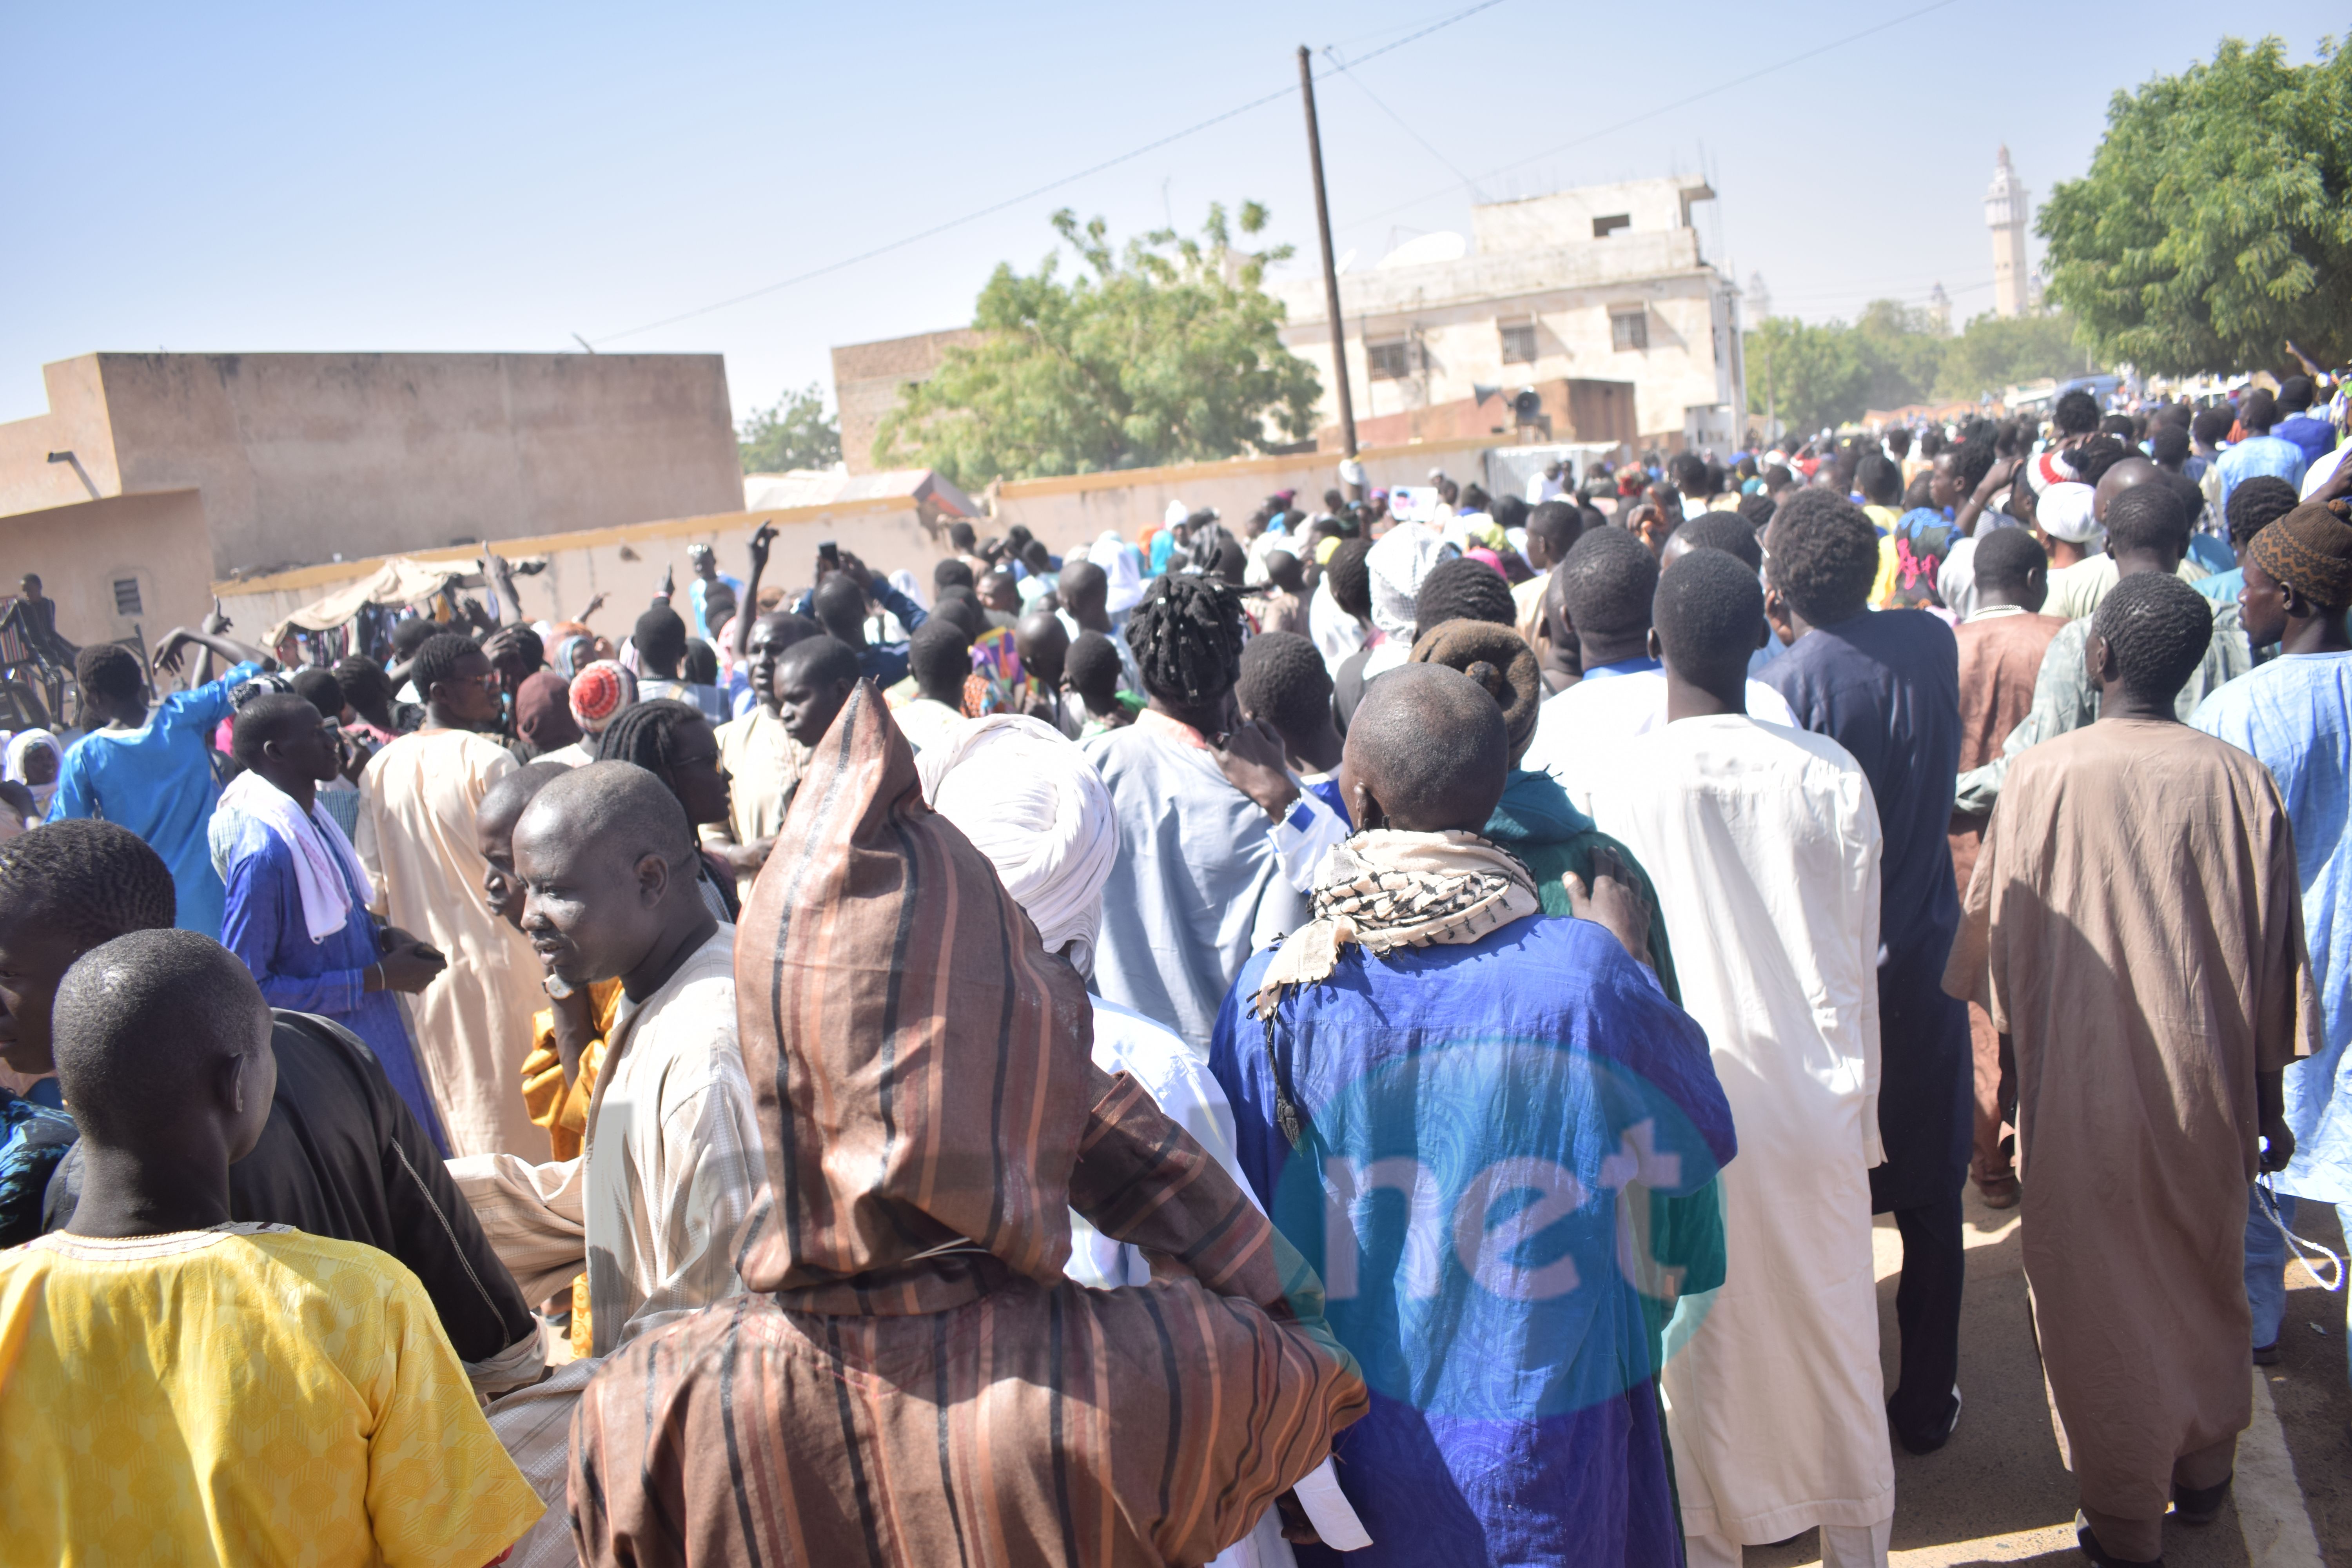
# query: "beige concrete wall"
x,y
75,423
1074,511
625,563
157,541
301,457
866,381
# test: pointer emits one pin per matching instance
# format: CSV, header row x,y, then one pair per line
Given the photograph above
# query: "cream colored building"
x,y
1599,283
2008,210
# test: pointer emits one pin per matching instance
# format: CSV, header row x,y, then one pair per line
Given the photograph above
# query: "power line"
x,y
1661,109
937,229
1381,104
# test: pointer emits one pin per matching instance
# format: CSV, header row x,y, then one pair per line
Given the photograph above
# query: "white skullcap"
x,y
1177,512
1397,562
1030,801
1351,472
2064,513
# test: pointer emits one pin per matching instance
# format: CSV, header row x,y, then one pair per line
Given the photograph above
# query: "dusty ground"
x,y
1997,1493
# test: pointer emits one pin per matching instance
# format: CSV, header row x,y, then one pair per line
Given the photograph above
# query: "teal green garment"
x,y
1540,823
1541,826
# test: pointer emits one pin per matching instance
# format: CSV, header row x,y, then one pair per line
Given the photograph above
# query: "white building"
x,y
1599,283
2007,212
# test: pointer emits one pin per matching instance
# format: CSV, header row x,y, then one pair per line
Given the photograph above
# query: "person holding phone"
x,y
847,592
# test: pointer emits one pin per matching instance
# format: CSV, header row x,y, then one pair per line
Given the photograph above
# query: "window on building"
x,y
1602,227
1389,362
126,597
1629,329
1519,342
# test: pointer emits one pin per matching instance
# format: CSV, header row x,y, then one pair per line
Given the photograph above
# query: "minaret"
x,y
1758,300
1939,309
2006,211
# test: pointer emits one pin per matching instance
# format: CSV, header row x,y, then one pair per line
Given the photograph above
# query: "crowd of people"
x,y
1349,1034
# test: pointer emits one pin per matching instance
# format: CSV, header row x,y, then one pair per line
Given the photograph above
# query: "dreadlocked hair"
x,y
1187,637
88,881
647,733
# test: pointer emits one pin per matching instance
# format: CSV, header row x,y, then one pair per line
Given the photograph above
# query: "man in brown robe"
x,y
2002,645
2135,929
912,1380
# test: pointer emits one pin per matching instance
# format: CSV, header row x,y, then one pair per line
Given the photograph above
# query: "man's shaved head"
x,y
610,871
2124,475
145,1027
502,804
618,807
494,825
1426,750
1083,586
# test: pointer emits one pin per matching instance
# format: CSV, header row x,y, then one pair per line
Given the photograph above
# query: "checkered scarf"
x,y
1385,889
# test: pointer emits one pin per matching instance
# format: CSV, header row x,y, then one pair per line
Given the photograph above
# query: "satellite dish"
x,y
1485,392
1346,260
1424,249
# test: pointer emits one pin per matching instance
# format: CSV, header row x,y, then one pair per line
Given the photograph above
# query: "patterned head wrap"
x,y
2310,551
1496,658
599,692
920,1064
572,653
2050,469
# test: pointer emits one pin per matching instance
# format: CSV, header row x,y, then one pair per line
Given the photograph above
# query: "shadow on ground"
x,y
1997,1493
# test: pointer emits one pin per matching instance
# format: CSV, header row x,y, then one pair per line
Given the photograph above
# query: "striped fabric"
x,y
914,1382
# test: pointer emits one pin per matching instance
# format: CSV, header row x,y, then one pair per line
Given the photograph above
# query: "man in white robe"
x,y
1763,842
670,1166
419,794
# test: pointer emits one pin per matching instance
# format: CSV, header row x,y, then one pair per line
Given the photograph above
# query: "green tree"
x,y
1900,351
1167,351
1996,352
2215,224
797,433
1808,376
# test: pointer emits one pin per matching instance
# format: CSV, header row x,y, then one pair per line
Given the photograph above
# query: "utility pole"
x,y
1330,271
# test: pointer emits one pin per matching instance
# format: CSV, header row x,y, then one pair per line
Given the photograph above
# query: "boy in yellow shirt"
x,y
177,1387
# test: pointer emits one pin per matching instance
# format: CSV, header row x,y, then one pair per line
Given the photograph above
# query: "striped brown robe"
x,y
913,1381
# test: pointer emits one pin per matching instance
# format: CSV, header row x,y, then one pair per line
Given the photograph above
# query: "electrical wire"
x,y
1031,194
1663,109
1380,103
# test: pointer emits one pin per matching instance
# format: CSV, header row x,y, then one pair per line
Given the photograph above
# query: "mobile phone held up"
x,y
829,553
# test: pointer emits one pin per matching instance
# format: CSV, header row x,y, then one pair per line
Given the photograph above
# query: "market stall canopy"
x,y
399,581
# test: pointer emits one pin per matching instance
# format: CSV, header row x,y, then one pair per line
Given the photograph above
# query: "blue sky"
x,y
500,177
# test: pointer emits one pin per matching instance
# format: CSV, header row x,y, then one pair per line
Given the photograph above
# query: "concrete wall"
x,y
1566,218
625,563
301,457
1075,510
866,381
79,552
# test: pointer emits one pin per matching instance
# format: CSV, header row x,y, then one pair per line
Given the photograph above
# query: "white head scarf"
x,y
1398,561
1030,801
21,746
2065,511
1118,563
